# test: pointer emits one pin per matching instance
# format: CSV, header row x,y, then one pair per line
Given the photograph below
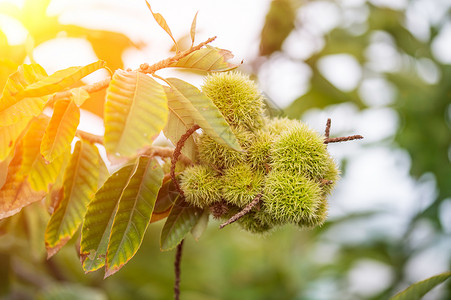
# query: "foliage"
x,y
38,161
364,31
419,289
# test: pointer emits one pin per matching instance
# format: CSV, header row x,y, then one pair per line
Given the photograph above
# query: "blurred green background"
x,y
377,68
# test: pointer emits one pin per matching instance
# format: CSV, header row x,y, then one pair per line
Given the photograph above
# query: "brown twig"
x,y
145,68
176,154
329,140
168,152
90,88
328,123
242,213
178,260
343,139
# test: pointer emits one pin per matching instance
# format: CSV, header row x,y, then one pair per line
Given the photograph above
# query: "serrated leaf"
x,y
23,110
179,222
203,111
40,173
79,96
59,80
135,112
16,192
99,218
210,59
192,32
29,176
61,130
179,121
13,109
56,193
19,81
80,184
133,214
163,24
4,164
419,289
8,137
201,225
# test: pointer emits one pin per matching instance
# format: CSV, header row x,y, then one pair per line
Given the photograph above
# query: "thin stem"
x,y
145,68
97,139
168,152
242,213
342,139
178,260
328,123
176,154
90,88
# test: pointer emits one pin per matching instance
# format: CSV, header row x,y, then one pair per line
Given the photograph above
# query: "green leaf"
x,y
13,109
188,101
61,130
80,184
59,80
135,112
162,22
279,22
70,291
201,225
133,214
179,121
99,218
179,222
210,59
167,195
419,289
9,136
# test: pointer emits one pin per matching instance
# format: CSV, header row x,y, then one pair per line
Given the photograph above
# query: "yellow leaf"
x,y
40,173
179,121
162,22
16,191
59,80
136,111
9,136
24,109
13,109
174,130
61,130
193,29
18,81
208,59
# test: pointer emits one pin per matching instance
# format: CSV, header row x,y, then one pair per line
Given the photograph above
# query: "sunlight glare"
x,y
15,32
